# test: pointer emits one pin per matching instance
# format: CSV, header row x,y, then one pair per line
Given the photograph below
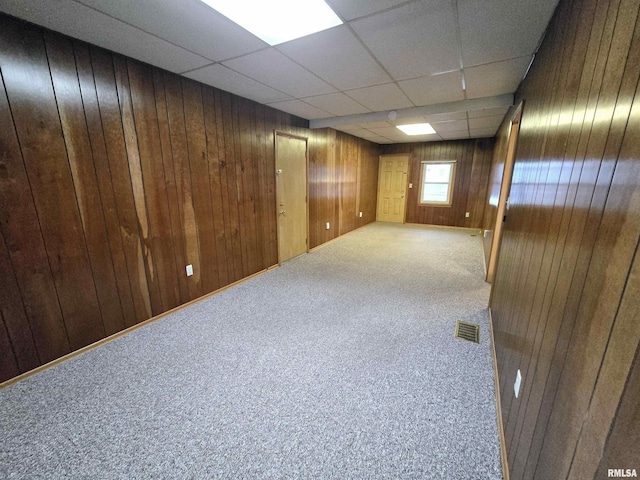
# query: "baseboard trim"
x,y
503,445
121,333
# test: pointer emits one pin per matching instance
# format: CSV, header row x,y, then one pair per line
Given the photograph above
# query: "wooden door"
x,y
392,188
291,195
505,188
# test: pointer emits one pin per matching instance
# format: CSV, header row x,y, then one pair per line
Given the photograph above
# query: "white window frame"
x,y
450,183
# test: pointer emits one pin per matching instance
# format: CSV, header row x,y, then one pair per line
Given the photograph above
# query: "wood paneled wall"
x,y
115,175
566,298
470,190
493,189
343,181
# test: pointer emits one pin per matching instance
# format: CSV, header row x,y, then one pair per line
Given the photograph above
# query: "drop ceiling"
x,y
453,63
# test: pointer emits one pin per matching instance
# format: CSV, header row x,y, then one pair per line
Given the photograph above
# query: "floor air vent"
x,y
468,331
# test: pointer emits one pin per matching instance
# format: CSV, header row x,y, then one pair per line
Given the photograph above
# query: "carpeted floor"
x,y
341,364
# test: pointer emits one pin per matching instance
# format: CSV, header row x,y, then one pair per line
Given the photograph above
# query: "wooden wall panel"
x,y
23,60
566,286
71,109
177,231
130,228
493,187
472,176
343,181
39,333
200,189
368,182
102,171
115,175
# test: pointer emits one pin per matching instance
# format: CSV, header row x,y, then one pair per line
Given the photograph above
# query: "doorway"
x,y
392,188
291,196
505,188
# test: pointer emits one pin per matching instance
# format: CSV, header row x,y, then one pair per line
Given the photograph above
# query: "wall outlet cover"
x,y
327,225
360,214
516,386
189,270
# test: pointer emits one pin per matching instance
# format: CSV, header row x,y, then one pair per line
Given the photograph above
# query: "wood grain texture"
x,y
23,61
473,166
39,334
493,187
566,285
115,175
130,229
343,181
71,109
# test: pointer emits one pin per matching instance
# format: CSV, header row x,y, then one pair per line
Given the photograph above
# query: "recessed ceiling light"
x,y
417,129
278,21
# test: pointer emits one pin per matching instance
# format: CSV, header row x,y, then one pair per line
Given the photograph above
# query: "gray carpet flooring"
x,y
341,364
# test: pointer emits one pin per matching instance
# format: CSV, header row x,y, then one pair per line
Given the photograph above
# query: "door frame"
x,y
406,182
277,192
505,188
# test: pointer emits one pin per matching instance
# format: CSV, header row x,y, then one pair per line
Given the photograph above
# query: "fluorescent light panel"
x,y
278,21
417,129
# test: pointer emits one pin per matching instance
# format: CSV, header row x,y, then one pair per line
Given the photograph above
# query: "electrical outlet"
x,y
411,185
516,386
360,214
189,270
328,226
466,215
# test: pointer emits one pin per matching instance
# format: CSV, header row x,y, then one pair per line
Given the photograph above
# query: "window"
x,y
437,182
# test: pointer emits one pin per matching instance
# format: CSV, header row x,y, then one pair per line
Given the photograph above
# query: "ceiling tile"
x,y
432,89
425,138
445,117
455,135
501,29
352,130
414,40
277,71
408,120
376,125
387,131
488,112
336,56
188,23
102,30
485,122
375,138
350,9
483,132
452,126
221,77
381,97
337,104
495,78
301,109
